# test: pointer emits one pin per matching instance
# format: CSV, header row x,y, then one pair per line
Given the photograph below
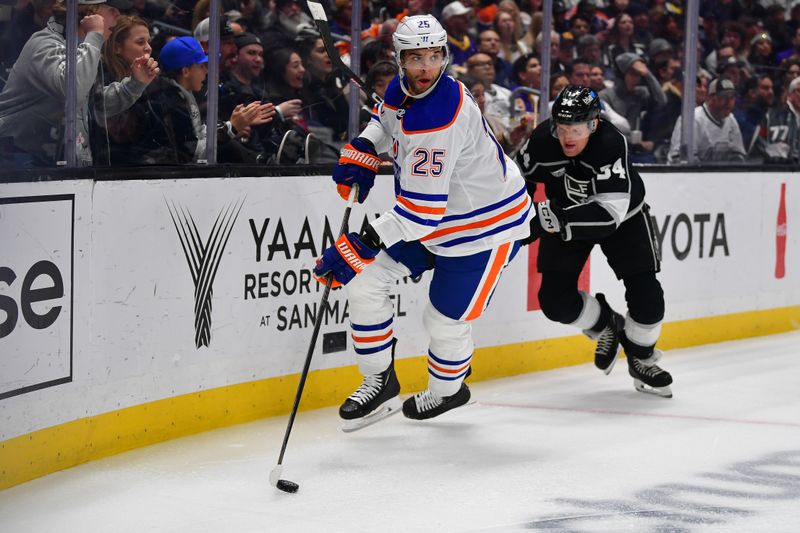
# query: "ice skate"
x,y
648,377
608,345
377,398
426,404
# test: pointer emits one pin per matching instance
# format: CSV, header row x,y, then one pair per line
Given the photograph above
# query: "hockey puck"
x,y
287,486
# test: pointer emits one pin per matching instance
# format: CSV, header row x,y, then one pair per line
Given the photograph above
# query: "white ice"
x,y
565,450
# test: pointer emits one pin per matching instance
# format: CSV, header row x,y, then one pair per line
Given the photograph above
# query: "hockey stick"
x,y
321,21
275,476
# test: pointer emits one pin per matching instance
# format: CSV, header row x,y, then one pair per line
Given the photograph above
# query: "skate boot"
x,y
426,404
606,332
647,375
376,399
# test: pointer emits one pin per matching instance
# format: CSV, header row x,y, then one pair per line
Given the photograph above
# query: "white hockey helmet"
x,y
419,31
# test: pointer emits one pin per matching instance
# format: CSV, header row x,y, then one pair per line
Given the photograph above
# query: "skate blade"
x,y
664,392
386,410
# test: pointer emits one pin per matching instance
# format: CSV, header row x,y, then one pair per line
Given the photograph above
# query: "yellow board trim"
x,y
55,448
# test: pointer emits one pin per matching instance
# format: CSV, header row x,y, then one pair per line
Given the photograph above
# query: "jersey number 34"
x,y
617,169
427,162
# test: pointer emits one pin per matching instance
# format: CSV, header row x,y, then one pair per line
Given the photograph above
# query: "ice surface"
x,y
565,450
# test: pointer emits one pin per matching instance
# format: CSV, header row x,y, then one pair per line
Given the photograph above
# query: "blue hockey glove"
x,y
348,257
358,164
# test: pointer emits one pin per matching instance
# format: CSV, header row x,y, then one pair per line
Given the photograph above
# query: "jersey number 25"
x,y
427,162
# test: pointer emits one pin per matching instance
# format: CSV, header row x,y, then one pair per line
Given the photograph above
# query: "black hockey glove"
x,y
536,232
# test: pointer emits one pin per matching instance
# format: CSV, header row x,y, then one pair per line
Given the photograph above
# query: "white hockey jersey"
x,y
456,190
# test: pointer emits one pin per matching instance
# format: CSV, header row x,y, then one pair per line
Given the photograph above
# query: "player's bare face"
x,y
573,137
422,67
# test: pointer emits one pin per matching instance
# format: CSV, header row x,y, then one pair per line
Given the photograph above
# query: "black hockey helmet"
x,y
576,103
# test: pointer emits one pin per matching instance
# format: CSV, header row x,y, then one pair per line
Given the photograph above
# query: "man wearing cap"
x,y
227,48
716,134
455,19
630,99
243,84
32,102
779,135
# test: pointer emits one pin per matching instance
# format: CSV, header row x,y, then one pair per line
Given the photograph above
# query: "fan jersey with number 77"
x,y
598,189
456,191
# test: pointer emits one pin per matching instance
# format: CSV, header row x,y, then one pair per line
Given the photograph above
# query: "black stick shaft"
x,y
317,324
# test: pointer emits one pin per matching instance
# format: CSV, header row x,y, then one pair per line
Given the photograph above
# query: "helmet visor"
x,y
572,132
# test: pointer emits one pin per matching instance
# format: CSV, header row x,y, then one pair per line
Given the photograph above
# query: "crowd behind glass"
x,y
141,76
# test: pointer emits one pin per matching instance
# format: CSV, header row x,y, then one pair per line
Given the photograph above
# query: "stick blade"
x,y
275,475
317,11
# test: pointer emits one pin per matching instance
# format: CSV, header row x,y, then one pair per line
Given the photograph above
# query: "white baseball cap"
x,y
454,9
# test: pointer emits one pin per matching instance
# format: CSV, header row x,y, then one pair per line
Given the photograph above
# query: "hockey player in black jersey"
x,y
595,197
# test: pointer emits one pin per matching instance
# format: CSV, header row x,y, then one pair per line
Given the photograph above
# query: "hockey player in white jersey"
x,y
461,209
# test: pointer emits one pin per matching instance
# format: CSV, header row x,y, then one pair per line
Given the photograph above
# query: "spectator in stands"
x,y
631,99
794,51
377,80
761,58
596,78
641,23
791,70
735,35
527,72
243,84
566,51
558,81
659,50
701,89
489,44
581,25
732,69
32,101
779,133
620,40
716,135
511,45
372,52
327,105
285,84
129,40
481,66
227,47
579,73
588,49
658,123
283,23
555,49
757,97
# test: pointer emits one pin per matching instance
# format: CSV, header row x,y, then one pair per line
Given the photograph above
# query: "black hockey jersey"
x,y
778,139
598,190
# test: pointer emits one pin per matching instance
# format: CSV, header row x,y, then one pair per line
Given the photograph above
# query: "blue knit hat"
x,y
181,52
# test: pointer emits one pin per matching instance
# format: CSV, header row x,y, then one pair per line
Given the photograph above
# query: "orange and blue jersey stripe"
x,y
453,230
420,208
